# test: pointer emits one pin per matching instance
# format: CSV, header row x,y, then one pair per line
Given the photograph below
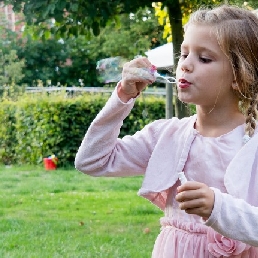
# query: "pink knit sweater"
x,y
159,152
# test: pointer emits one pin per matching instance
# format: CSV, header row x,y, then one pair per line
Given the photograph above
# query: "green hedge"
x,y
36,126
8,139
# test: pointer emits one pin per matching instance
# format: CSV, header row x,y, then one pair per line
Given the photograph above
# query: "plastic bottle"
x,y
182,178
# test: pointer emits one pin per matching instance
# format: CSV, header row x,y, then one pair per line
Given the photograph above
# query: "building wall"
x,y
9,19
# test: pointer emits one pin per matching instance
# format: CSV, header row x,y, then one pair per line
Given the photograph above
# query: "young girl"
x,y
215,213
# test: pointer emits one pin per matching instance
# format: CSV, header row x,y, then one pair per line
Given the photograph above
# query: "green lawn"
x,y
65,213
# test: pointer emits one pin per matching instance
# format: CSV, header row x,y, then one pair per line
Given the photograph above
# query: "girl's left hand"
x,y
196,198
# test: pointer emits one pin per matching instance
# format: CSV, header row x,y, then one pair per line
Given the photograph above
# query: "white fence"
x,y
148,91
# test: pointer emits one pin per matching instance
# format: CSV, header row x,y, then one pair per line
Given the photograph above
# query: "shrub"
x,y
7,132
37,126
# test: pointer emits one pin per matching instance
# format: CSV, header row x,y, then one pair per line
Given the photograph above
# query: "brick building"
x,y
9,19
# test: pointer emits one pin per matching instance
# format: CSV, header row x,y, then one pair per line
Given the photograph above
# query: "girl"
x,y
215,213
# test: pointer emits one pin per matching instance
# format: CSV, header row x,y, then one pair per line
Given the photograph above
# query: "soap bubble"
x,y
110,69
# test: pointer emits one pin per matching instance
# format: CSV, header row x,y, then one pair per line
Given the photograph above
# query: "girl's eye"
x,y
205,60
183,56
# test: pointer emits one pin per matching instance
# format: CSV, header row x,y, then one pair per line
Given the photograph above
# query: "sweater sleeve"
x,y
102,153
234,218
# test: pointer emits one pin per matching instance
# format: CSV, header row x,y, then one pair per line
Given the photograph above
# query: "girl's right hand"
x,y
136,75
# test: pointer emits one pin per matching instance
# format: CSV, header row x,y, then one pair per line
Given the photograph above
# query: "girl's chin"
x,y
184,99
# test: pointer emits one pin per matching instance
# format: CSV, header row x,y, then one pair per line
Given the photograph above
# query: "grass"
x,y
64,213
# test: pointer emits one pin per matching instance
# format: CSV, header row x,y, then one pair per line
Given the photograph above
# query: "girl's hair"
x,y
236,30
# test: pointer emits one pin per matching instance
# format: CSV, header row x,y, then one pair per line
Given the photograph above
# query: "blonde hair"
x,y
237,34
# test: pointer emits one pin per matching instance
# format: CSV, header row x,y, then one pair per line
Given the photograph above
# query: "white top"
x,y
207,162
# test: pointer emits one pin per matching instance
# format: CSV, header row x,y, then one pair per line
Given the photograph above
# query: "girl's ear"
x,y
234,85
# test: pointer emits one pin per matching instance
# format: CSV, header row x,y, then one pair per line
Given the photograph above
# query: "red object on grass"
x,y
49,164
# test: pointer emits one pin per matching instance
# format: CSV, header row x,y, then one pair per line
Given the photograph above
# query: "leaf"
x,y
95,28
47,11
61,5
59,17
47,34
74,7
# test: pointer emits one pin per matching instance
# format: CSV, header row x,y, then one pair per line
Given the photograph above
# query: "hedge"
x,y
37,126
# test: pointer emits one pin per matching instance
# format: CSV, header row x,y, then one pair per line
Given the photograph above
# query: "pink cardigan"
x,y
163,146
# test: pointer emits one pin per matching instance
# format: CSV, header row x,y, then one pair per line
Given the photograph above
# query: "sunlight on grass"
x,y
65,213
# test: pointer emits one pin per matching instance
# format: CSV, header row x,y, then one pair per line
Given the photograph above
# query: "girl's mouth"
x,y
183,84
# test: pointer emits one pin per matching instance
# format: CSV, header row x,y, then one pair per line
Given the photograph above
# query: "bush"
x,y
37,126
8,139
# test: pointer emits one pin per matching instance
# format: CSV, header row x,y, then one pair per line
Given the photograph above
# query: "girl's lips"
x,y
183,84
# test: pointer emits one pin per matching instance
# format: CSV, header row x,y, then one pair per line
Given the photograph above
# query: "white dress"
x,y
184,235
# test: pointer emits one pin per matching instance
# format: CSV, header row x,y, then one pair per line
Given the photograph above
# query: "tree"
x,y
72,61
84,18
42,60
10,64
136,33
133,37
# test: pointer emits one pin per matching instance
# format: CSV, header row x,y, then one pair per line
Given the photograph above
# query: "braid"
x,y
251,116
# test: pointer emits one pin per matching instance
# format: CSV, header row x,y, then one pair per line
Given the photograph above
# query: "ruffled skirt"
x,y
195,240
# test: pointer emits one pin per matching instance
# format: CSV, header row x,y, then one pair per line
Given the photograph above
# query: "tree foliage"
x,y
133,37
77,17
74,17
72,61
162,14
137,33
10,64
42,60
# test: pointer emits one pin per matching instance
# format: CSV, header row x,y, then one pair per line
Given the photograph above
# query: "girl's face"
x,y
204,74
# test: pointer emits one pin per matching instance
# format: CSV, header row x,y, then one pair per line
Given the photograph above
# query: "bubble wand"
x,y
110,70
182,177
161,78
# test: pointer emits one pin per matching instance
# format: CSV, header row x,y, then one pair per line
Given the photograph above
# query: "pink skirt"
x,y
195,240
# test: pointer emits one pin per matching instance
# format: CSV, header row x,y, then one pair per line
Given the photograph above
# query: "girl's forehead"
x,y
200,35
206,31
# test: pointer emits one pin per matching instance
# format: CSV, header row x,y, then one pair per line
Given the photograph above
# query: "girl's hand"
x,y
136,75
196,198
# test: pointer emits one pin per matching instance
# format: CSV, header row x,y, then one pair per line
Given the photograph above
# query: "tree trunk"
x,y
175,17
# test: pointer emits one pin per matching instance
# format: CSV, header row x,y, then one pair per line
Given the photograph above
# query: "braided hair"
x,y
237,34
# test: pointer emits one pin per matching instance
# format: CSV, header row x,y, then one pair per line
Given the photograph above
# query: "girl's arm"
x,y
102,153
234,218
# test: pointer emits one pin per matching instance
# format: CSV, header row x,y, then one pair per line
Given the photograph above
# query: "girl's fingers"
x,y
199,201
192,204
189,195
146,61
137,74
190,185
198,207
139,62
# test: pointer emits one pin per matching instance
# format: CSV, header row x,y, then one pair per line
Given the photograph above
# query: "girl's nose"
x,y
187,65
